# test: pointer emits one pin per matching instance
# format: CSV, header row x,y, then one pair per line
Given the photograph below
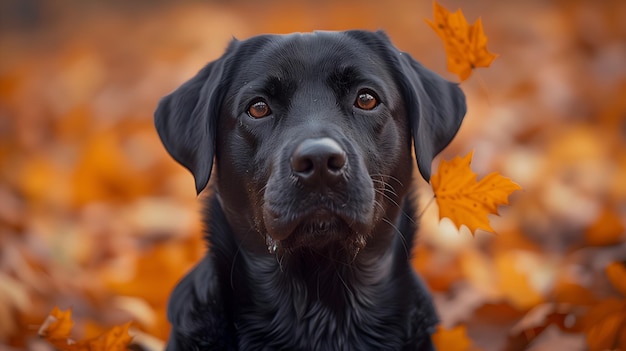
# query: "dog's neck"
x,y
361,300
333,278
305,270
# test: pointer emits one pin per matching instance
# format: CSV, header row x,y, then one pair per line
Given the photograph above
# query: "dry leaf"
x,y
616,272
574,294
58,324
606,326
607,230
454,339
606,322
57,327
464,200
465,45
520,275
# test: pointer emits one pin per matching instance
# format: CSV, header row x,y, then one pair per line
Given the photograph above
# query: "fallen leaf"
x,y
606,322
616,272
57,327
521,278
465,45
117,338
454,339
537,321
574,294
606,326
466,201
554,338
607,230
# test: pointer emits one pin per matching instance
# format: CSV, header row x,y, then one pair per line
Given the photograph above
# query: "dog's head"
x,y
311,134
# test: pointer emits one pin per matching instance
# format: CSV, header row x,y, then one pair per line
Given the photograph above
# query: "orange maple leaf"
x,y
465,45
57,327
464,200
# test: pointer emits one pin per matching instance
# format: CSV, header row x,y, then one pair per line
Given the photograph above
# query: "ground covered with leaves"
x,y
97,220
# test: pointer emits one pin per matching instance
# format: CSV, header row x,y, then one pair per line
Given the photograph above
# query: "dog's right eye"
x,y
259,109
366,100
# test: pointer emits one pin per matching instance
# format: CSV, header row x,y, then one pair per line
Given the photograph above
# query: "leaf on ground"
x,y
467,201
518,276
465,45
58,324
57,327
570,293
607,230
606,326
536,321
616,272
606,322
454,339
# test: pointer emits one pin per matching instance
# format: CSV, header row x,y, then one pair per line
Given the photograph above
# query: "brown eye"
x,y
366,100
259,109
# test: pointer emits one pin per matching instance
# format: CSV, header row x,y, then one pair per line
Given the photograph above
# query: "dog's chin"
x,y
319,231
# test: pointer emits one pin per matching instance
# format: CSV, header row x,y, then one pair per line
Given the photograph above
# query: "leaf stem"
x,y
419,216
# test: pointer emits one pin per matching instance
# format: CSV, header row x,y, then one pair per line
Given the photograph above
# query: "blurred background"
x,y
94,215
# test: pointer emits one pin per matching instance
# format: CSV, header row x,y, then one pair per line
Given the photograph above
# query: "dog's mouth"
x,y
315,229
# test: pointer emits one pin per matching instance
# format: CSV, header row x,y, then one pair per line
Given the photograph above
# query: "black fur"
x,y
311,254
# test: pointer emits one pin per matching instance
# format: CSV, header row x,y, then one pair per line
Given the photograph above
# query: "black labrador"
x,y
311,220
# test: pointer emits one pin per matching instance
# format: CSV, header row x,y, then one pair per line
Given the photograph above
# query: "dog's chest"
x,y
303,322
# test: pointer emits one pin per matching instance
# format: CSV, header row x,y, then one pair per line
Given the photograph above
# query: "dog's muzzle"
x,y
314,200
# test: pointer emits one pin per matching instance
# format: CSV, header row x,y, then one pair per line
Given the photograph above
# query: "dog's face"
x,y
311,134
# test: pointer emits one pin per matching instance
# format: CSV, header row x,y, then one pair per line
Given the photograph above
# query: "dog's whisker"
x,y
388,198
348,290
388,190
389,177
402,238
385,187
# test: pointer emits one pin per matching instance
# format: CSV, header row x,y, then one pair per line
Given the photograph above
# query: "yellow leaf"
x,y
465,45
464,200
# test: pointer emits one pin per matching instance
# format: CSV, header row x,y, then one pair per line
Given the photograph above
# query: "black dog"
x,y
310,222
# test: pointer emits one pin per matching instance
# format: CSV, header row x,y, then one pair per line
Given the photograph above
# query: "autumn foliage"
x,y
466,201
465,44
58,326
97,223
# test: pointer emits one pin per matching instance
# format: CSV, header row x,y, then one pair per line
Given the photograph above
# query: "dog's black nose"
x,y
318,161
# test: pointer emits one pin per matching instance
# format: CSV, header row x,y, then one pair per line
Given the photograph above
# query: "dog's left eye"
x,y
259,109
366,100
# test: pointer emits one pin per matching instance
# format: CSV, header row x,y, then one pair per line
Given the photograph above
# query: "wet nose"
x,y
318,162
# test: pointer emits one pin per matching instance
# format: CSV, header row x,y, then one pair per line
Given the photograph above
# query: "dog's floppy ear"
x,y
435,108
186,119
